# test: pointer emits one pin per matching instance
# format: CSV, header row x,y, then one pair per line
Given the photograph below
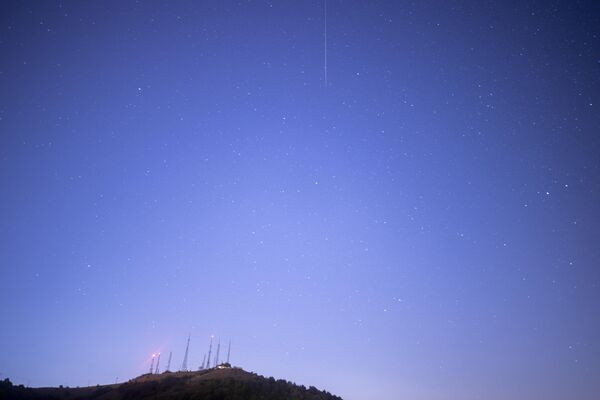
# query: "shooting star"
x,y
325,65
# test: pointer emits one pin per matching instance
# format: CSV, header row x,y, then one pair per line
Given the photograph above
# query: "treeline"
x,y
10,391
176,388
258,388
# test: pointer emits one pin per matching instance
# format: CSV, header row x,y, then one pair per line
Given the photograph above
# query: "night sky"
x,y
403,207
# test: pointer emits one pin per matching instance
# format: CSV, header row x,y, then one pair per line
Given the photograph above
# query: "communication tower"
x,y
184,366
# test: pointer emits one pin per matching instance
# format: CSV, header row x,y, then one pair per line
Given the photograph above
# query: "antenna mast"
x,y
169,362
157,362
228,351
209,351
185,357
217,356
203,361
152,363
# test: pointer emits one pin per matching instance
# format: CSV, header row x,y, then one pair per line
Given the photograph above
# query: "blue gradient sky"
x,y
424,227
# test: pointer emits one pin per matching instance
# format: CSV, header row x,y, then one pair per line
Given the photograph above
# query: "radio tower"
x,y
152,363
185,357
169,362
209,351
217,356
157,362
203,360
228,351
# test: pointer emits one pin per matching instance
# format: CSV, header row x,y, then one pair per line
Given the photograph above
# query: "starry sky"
x,y
383,199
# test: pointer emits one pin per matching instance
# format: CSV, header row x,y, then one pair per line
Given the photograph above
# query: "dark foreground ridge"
x,y
212,384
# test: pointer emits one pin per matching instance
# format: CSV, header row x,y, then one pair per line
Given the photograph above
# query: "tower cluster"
x,y
207,361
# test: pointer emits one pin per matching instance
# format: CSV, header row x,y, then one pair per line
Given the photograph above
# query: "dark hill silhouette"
x,y
212,384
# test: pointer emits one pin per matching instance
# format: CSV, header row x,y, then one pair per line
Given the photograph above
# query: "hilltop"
x,y
211,384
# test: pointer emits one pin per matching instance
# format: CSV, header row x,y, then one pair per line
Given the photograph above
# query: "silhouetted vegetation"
x,y
8,391
223,386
